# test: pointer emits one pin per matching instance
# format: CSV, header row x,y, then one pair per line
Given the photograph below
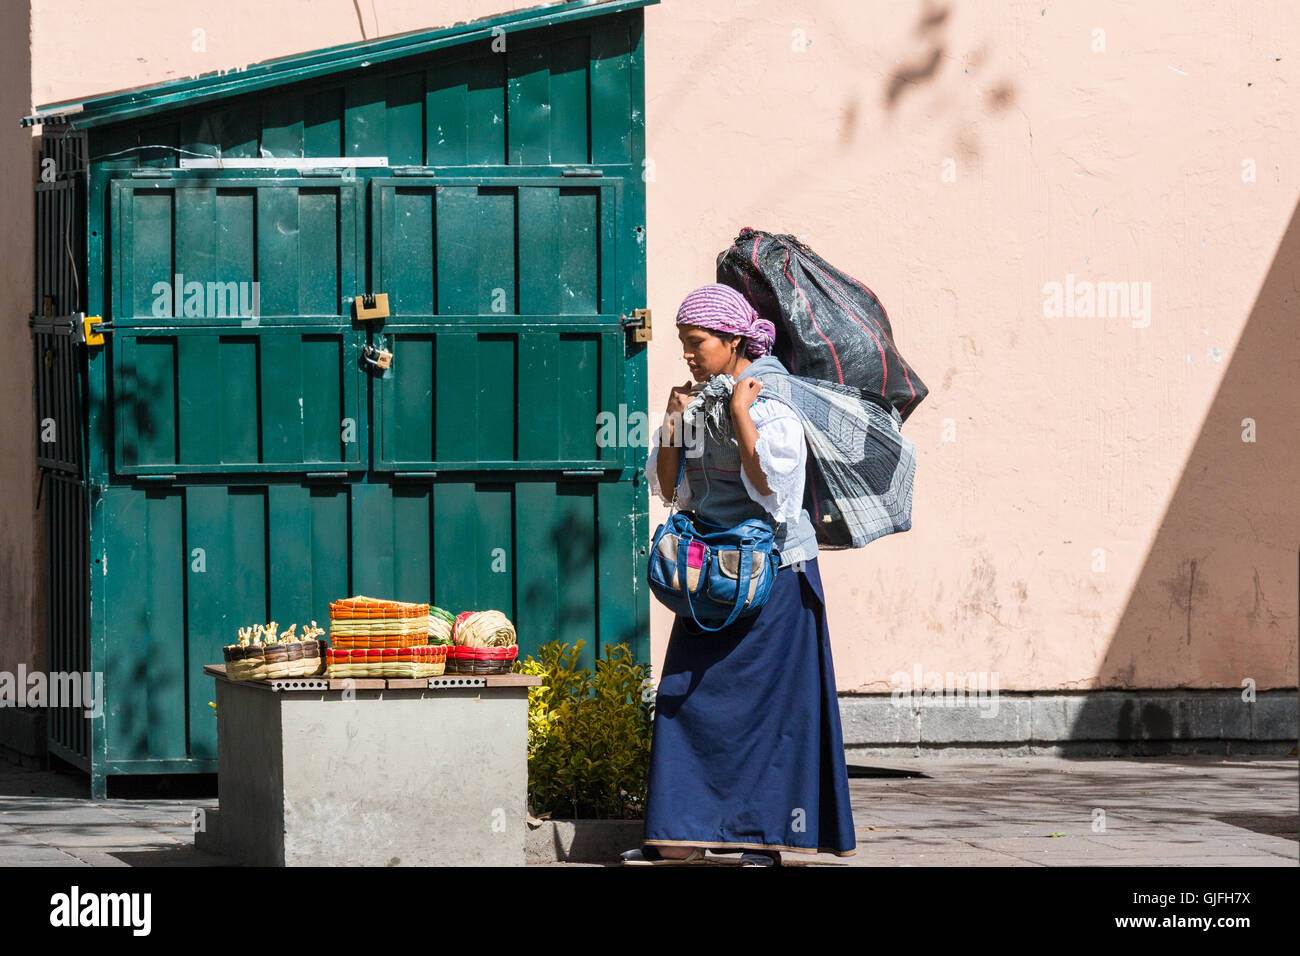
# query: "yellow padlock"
x,y
372,305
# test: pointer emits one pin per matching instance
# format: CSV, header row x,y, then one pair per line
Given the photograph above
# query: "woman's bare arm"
x,y
670,444
670,455
746,437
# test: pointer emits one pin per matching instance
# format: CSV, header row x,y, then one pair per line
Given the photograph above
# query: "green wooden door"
x,y
488,478
239,414
234,349
260,469
505,330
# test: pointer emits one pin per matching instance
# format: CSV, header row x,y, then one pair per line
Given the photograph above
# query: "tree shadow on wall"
x,y
924,66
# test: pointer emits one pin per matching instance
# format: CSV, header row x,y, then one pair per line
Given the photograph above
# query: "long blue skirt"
x,y
747,749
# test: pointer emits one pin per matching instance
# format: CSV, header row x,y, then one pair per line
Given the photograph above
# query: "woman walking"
x,y
747,753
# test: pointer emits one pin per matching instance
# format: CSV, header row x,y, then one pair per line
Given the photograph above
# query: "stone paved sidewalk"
x,y
908,811
48,819
1003,811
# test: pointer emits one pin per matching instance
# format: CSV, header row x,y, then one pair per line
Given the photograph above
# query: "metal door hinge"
x,y
639,324
582,171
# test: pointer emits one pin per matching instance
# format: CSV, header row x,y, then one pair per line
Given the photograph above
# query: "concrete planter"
x,y
581,841
284,802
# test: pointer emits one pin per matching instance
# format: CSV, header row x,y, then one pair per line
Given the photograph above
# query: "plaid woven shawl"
x,y
860,466
860,469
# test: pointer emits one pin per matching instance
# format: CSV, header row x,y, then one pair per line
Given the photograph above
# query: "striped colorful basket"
x,y
363,622
427,660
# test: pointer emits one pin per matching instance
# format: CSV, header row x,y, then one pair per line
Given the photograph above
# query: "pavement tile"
x,y
1058,851
116,835
66,861
32,854
93,856
70,816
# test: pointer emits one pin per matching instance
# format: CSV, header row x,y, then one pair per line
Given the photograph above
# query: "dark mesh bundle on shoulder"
x,y
829,326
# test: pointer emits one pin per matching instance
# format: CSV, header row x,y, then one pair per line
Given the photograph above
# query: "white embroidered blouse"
x,y
781,452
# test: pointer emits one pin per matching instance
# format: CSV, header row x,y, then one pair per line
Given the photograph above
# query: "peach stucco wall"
x,y
1086,512
23,640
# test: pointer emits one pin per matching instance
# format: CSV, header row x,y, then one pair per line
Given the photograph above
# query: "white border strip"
x,y
284,162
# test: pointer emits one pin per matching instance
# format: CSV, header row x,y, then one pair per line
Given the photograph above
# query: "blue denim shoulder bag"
x,y
697,567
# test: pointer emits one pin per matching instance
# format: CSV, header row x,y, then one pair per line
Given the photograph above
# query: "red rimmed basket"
x,y
481,660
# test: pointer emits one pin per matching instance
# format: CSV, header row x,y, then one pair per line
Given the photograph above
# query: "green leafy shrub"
x,y
588,735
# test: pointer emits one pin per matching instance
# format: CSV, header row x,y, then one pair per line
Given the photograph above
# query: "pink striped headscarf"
x,y
723,309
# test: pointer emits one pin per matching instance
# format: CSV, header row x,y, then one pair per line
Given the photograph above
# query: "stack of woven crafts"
x,y
374,638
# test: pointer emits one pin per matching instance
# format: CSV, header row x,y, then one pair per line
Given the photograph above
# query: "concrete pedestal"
x,y
351,775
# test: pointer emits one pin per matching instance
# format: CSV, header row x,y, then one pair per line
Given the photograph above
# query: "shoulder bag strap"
x,y
742,585
681,470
